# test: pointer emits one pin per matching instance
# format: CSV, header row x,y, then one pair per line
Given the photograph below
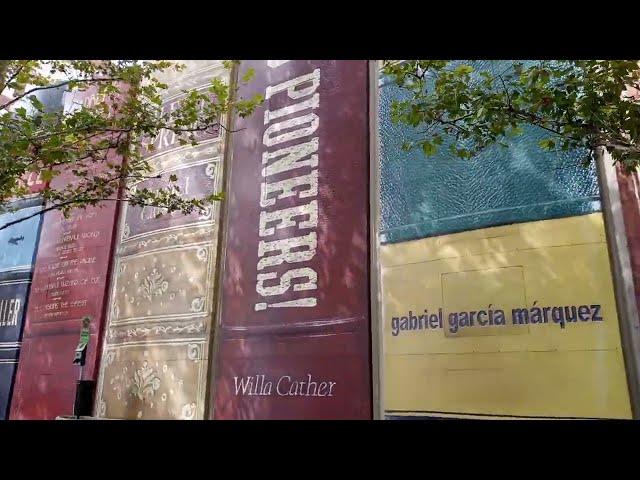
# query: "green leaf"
x,y
516,131
429,148
47,175
37,104
248,75
547,144
463,70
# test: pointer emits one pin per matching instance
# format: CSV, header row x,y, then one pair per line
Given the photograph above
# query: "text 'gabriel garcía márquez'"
x,y
490,317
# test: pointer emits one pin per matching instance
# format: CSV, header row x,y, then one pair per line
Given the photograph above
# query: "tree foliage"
x,y
583,105
88,141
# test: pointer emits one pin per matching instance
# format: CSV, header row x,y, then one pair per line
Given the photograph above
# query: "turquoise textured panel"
x,y
426,196
18,242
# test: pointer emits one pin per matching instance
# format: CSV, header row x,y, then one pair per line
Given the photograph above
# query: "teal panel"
x,y
427,196
19,241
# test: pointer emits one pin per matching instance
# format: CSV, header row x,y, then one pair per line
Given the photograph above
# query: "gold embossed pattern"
x,y
157,338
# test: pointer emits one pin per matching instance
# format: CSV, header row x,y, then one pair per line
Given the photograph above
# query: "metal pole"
x,y
77,387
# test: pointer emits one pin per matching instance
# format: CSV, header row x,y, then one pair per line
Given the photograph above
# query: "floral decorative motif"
x,y
145,382
202,254
153,284
168,239
206,214
188,411
197,304
115,310
193,351
189,328
155,385
110,357
210,171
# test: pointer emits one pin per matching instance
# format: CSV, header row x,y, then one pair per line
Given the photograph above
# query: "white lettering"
x,y
312,103
285,247
285,281
282,394
244,385
285,218
296,186
269,140
290,161
286,188
291,86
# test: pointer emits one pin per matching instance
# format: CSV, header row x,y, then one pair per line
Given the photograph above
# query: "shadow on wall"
x,y
508,228
289,345
530,369
47,387
330,340
426,196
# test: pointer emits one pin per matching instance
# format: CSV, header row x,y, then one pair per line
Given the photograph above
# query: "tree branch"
x,y
60,205
40,212
506,90
12,77
5,106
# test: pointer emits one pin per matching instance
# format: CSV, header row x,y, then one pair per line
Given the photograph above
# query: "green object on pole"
x,y
81,349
